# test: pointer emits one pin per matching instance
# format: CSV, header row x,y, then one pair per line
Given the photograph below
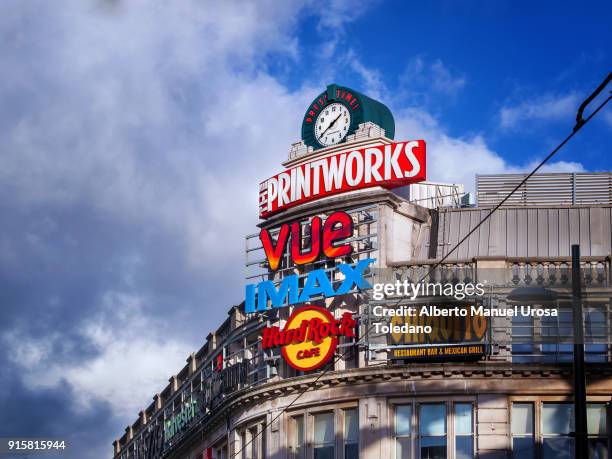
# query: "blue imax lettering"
x,y
317,283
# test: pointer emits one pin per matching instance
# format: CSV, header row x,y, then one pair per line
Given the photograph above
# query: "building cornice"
x,y
423,373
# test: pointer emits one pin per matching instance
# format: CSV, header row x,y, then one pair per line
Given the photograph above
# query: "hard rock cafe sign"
x,y
310,336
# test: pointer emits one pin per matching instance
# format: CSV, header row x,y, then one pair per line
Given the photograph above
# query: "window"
x,y
243,446
221,452
523,445
556,436
464,437
432,431
557,425
252,441
330,434
597,429
557,336
298,437
324,440
403,431
351,434
595,333
522,339
424,434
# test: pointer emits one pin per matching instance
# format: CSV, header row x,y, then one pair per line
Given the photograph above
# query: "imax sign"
x,y
317,283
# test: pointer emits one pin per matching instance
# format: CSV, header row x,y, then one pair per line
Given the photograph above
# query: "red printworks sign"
x,y
389,166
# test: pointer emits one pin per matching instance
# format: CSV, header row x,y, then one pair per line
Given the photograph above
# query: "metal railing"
x,y
545,189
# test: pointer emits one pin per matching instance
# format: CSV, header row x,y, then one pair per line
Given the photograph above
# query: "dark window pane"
x,y
598,448
433,447
324,452
351,451
558,448
465,447
596,352
523,448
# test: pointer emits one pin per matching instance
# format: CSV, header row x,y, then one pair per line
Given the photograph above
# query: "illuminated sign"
x,y
309,337
428,335
389,166
326,236
439,352
443,329
318,283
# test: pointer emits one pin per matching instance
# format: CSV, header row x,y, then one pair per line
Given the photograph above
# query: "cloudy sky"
x,y
133,135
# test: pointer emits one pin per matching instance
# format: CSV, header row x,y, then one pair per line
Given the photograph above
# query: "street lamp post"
x,y
580,408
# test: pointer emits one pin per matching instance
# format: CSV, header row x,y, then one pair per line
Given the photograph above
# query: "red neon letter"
x,y
274,253
315,242
331,235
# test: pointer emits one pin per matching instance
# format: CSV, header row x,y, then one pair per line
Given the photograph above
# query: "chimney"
x,y
192,363
116,447
173,384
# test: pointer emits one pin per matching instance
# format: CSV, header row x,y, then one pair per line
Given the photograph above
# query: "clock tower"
x,y
338,112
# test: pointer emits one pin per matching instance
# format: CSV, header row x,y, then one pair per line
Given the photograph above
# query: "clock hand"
x,y
330,125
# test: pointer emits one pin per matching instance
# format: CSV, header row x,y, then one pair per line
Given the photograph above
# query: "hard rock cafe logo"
x,y
309,337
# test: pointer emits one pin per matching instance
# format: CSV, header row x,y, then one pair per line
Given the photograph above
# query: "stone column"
x,y
374,428
492,426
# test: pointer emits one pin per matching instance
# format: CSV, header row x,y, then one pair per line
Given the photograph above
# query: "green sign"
x,y
176,423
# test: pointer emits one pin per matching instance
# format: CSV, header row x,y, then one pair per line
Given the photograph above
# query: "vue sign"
x,y
326,236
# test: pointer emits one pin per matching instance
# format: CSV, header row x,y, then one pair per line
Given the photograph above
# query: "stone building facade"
x,y
513,400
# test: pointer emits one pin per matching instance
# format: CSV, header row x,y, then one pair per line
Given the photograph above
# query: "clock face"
x,y
332,124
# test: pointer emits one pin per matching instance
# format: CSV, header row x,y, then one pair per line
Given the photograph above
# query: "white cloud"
x,y
150,106
443,80
449,159
544,108
133,360
457,160
423,77
556,166
158,116
333,16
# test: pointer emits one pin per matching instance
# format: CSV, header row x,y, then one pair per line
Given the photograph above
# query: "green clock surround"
x,y
360,107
